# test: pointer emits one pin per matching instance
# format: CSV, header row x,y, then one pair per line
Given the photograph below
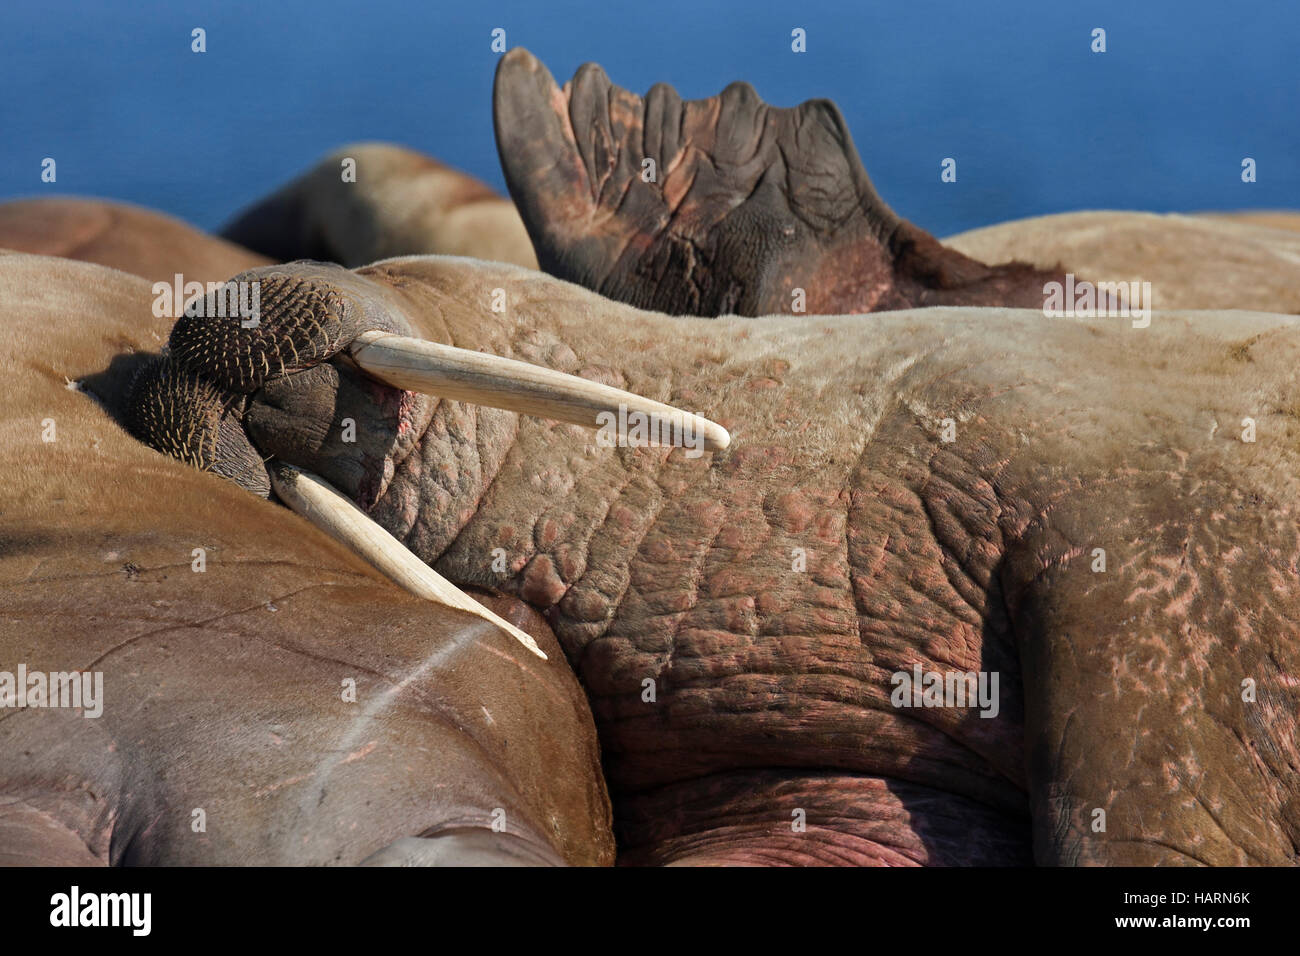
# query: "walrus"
x,y
397,202
269,698
1191,262
400,203
1101,515
122,236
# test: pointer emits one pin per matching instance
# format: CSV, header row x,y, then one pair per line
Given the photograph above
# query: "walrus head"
x,y
233,390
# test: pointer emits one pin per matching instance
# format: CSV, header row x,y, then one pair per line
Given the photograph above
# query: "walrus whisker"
x,y
335,514
486,379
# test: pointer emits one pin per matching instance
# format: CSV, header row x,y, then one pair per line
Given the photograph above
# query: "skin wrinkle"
x,y
96,836
966,506
613,502
950,564
1263,770
753,834
1168,846
248,562
183,626
846,494
10,806
1213,815
635,546
694,577
611,600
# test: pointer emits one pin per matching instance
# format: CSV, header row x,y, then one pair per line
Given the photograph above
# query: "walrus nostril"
x,y
260,324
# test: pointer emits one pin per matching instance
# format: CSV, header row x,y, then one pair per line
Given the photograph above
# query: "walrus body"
x,y
121,236
1082,507
1191,262
226,630
370,201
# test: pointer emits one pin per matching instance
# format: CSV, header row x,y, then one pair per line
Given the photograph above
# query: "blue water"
x,y
1010,89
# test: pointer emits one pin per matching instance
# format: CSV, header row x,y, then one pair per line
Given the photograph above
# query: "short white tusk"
x,y
335,514
485,379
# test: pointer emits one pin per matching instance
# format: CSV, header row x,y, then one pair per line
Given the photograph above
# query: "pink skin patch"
x,y
398,408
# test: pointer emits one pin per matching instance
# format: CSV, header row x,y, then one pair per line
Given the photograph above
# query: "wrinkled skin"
x,y
1119,690
748,203
223,689
772,684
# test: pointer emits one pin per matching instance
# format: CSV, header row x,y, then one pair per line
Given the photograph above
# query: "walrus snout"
x,y
182,414
265,322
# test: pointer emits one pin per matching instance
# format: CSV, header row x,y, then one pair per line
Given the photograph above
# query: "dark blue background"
x,y
1036,121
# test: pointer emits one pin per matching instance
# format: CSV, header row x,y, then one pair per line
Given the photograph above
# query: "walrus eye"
x,y
484,379
335,514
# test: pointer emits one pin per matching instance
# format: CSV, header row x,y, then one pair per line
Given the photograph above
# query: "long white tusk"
x,y
485,379
335,514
